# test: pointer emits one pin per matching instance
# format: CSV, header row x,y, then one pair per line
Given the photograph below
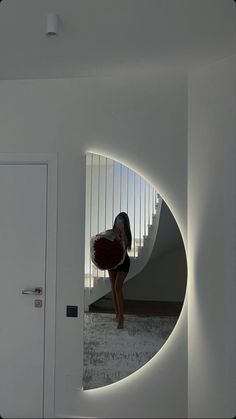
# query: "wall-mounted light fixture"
x,y
52,25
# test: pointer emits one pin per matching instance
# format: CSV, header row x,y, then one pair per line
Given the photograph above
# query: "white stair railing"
x,y
112,187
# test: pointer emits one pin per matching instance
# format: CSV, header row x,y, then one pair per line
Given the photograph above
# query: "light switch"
x,y
71,311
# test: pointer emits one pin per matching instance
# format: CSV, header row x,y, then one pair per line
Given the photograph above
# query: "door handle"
x,y
34,291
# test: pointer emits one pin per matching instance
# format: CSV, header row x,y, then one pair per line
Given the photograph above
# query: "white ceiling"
x,y
113,36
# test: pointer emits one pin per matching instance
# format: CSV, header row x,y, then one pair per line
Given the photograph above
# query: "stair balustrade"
x,y
112,187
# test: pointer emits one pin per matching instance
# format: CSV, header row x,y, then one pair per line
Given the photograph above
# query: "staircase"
x,y
111,188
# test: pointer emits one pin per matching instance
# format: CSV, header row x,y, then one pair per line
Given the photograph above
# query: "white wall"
x,y
212,241
143,123
162,279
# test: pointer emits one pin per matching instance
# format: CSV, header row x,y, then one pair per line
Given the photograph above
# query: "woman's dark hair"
x,y
125,219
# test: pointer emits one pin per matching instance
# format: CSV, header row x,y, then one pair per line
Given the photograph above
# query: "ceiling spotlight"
x,y
52,25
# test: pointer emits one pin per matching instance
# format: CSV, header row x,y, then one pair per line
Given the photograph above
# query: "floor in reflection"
x,y
111,354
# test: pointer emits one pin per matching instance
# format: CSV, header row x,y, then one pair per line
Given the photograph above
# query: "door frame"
x,y
50,160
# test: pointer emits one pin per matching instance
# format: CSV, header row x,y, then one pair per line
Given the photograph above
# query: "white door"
x,y
23,215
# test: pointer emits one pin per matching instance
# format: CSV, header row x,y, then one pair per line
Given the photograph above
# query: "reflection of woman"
x,y
117,275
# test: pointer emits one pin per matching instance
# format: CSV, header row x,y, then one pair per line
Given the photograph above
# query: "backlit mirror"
x,y
151,289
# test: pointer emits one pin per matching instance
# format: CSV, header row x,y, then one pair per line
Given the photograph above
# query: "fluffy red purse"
x,y
107,250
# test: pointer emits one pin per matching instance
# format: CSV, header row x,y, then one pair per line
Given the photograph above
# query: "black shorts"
x,y
123,267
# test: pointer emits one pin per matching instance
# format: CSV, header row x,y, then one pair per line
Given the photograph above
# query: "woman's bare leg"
x,y
112,276
120,277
